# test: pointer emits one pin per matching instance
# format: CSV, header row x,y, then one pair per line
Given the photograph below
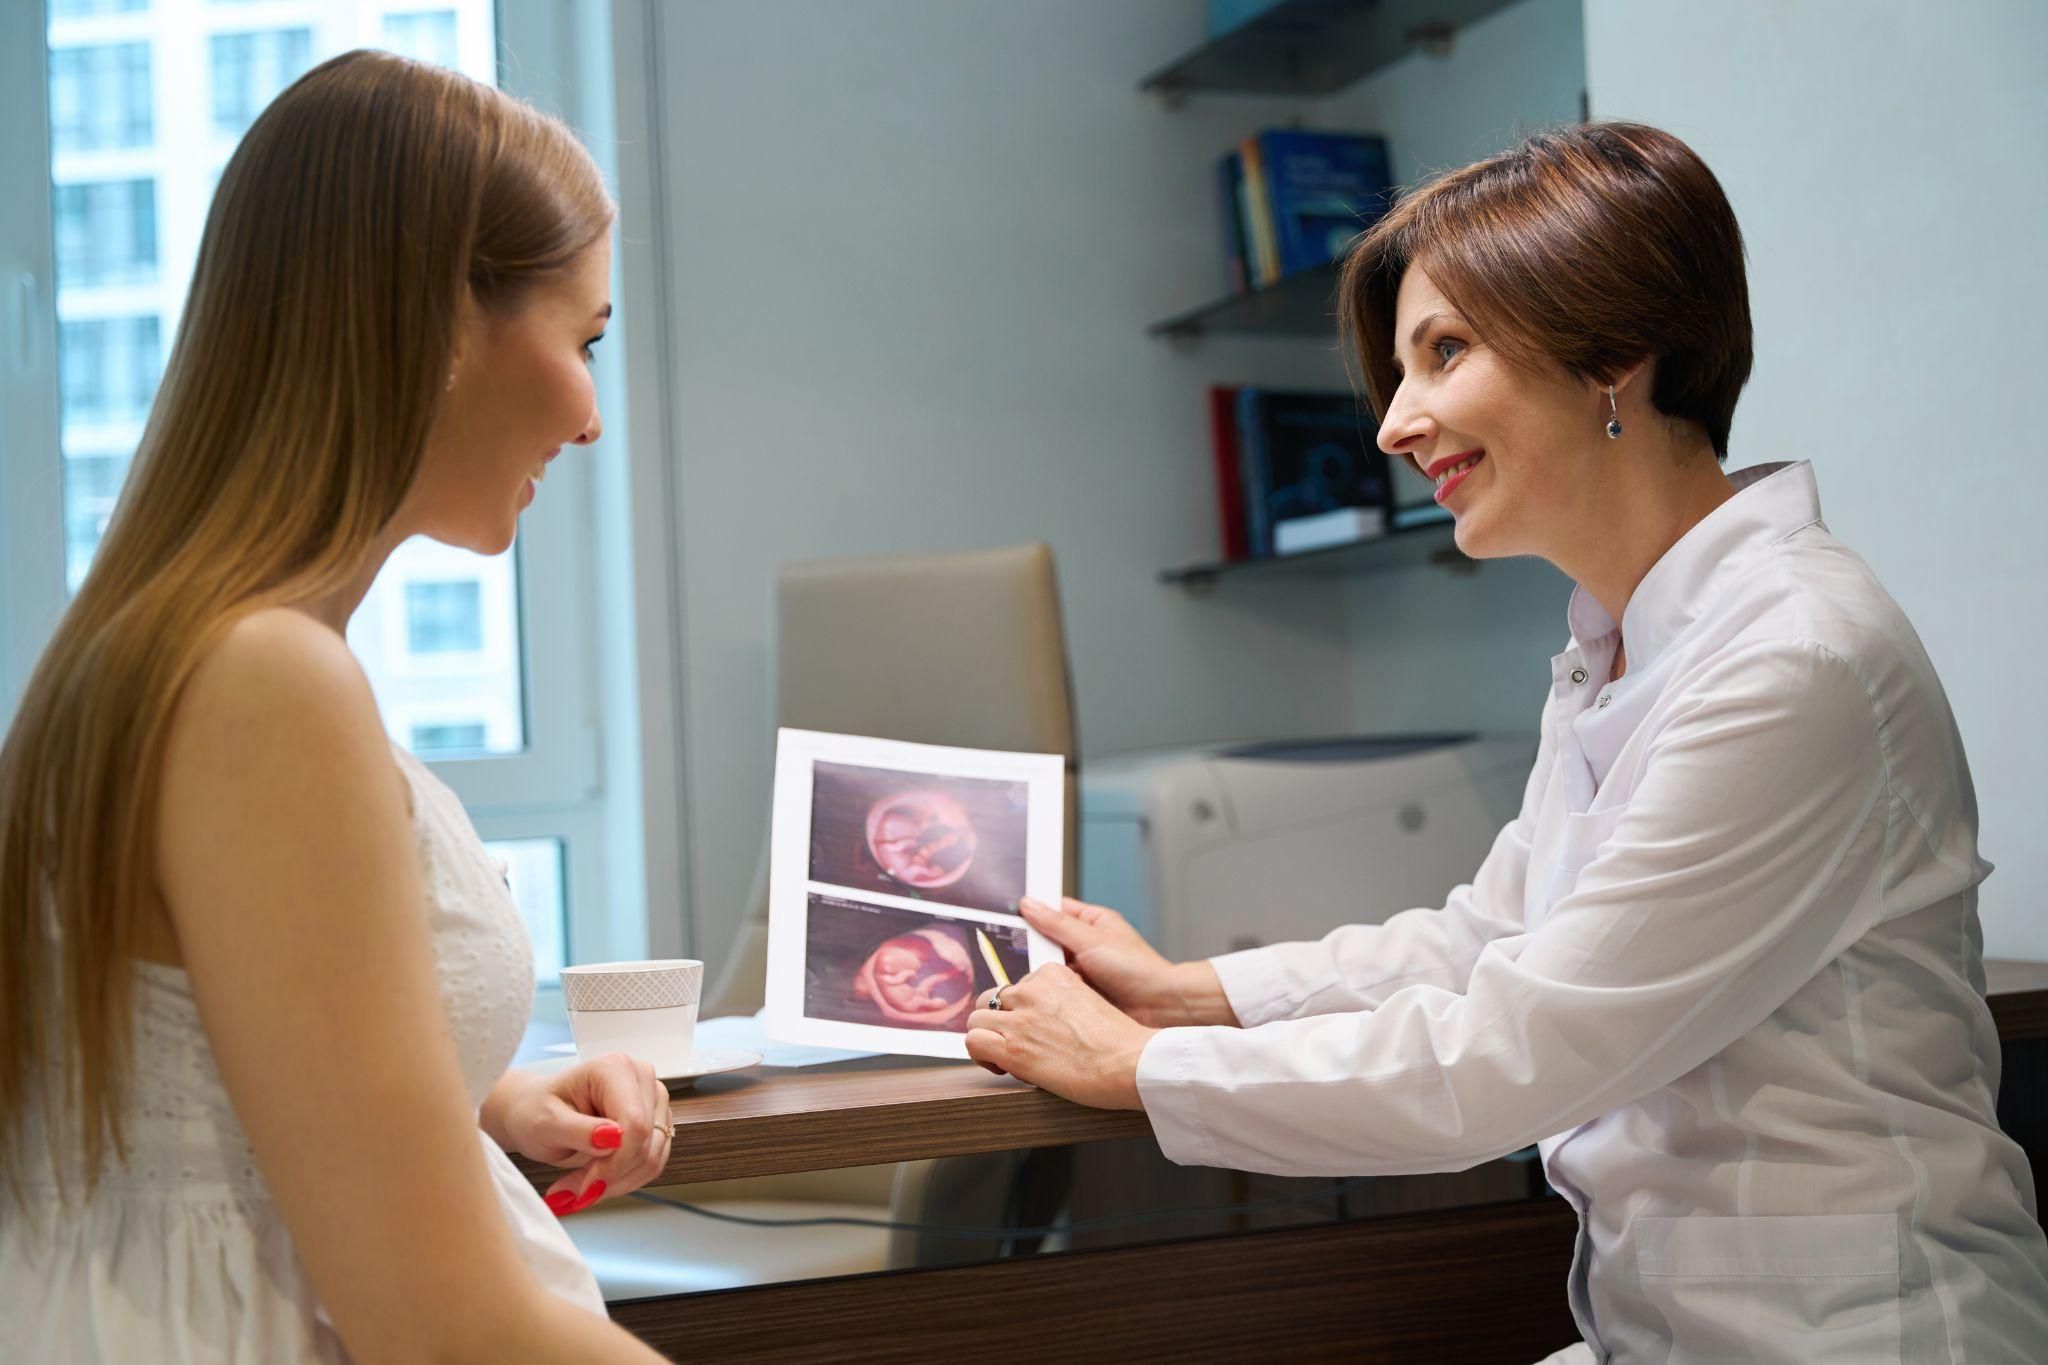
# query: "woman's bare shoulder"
x,y
277,688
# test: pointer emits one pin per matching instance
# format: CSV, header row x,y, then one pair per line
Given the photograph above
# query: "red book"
x,y
1229,480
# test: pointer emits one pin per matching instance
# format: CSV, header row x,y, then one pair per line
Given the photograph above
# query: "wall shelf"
x,y
1430,544
1314,47
1300,305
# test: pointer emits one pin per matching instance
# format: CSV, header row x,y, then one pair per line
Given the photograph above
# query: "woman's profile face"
x,y
522,391
1535,442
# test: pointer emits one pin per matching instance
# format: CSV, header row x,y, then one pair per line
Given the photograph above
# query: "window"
x,y
428,36
72,9
249,69
91,483
442,618
533,873
461,735
100,97
108,367
106,232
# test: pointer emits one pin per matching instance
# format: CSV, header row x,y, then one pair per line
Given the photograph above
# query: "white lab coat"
x,y
1726,964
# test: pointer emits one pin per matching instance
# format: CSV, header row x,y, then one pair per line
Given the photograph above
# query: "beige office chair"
x,y
958,649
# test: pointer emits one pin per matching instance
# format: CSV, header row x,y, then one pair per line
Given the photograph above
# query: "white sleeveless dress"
x,y
180,1256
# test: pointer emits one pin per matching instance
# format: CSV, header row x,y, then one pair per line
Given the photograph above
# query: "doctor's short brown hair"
x,y
1592,246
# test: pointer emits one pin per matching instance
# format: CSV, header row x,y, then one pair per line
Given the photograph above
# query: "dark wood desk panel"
x,y
780,1121
2018,992
1479,1284
2019,1003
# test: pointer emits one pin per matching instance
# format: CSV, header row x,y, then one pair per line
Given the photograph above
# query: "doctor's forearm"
x,y
1197,997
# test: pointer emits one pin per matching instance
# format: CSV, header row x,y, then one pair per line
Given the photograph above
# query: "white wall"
x,y
1885,161
915,245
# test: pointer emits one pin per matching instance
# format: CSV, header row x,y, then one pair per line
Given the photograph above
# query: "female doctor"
x,y
1725,964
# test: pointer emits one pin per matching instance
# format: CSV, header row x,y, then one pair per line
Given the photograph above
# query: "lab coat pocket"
x,y
1578,841
1812,1289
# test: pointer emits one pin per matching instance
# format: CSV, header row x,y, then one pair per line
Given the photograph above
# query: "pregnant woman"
x,y
259,984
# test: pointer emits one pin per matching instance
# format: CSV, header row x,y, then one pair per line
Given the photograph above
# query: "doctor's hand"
x,y
1059,1035
606,1119
1130,973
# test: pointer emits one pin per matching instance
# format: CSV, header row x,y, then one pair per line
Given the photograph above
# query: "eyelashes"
x,y
590,345
1436,349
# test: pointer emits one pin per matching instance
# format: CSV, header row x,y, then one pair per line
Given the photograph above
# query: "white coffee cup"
x,y
647,1010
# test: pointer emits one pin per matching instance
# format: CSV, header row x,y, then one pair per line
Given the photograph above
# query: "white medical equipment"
x,y
1207,850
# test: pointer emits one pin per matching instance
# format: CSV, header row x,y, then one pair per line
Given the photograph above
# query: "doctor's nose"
x,y
1406,429
592,429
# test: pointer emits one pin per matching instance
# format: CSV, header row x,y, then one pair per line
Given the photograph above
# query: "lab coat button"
x,y
1605,697
1578,676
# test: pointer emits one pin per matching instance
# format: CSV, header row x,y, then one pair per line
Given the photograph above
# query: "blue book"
x,y
1251,456
1229,189
1325,189
1225,15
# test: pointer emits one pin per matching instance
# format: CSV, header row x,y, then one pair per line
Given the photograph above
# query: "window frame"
x,y
32,492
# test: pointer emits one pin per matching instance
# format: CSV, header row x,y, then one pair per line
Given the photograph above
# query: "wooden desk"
x,y
780,1121
1467,1284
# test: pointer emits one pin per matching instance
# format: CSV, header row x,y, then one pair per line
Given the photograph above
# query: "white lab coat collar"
x,y
1771,502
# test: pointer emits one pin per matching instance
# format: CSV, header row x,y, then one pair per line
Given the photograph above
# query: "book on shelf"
x,y
1255,199
1345,526
1229,196
1229,481
1303,454
1302,196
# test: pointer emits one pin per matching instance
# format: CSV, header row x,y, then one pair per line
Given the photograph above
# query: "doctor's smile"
x,y
1451,470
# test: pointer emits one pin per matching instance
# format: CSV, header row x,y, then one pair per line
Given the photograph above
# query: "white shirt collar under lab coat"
x,y
1771,502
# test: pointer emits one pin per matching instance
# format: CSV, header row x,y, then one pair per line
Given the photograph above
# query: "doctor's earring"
x,y
1613,416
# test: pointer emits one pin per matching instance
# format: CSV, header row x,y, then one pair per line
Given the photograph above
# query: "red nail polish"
x,y
607,1137
590,1196
559,1202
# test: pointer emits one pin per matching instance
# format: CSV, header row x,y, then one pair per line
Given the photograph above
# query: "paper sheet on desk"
x,y
894,873
747,1033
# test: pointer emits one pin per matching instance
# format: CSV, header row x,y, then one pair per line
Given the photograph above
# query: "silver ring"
x,y
995,999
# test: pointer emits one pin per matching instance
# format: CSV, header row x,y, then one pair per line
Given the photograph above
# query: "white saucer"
x,y
710,1061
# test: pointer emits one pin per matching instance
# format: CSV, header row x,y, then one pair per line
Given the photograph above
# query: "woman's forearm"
x,y
538,1328
491,1115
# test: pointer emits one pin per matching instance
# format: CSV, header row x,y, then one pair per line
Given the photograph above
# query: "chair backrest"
x,y
959,649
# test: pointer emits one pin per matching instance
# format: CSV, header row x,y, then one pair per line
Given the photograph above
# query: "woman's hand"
x,y
1059,1035
1129,972
606,1118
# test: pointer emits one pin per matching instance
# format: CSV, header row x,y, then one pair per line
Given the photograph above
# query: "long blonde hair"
x,y
361,207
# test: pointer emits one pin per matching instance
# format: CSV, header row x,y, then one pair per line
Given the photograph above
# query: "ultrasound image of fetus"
x,y
922,839
923,978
